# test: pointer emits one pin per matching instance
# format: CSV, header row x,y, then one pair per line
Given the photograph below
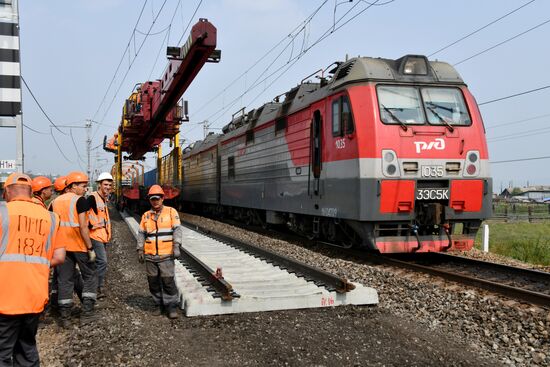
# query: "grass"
x,y
528,242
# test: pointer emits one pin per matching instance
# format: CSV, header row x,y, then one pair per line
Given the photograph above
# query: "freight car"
x,y
386,154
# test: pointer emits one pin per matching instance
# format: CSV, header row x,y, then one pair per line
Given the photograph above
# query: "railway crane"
x,y
153,113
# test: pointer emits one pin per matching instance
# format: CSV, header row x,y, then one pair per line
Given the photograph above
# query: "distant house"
x,y
532,193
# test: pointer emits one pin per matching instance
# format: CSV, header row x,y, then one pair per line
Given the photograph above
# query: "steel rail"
x,y
320,277
506,290
218,283
530,273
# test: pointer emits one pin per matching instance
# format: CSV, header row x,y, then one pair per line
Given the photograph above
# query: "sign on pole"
x,y
10,75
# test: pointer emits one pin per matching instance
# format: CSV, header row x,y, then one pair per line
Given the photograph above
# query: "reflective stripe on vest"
x,y
100,223
69,227
26,249
158,230
5,227
71,222
22,258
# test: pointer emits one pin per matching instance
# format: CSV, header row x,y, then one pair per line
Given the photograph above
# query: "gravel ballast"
x,y
495,327
126,333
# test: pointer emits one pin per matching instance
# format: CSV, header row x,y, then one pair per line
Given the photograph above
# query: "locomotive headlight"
x,y
472,164
390,164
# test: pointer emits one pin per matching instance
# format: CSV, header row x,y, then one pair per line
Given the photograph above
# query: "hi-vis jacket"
x,y
159,232
28,238
38,200
100,223
69,227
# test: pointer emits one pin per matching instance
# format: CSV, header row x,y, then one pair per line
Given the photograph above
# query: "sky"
x,y
70,51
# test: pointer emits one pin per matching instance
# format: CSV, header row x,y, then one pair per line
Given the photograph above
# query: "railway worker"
x,y
72,209
100,225
26,253
42,189
159,240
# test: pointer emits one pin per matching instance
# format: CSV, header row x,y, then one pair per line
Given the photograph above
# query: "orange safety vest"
x,y
27,242
69,226
38,200
100,222
159,230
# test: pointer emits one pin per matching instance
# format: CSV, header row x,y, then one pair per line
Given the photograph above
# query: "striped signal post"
x,y
10,75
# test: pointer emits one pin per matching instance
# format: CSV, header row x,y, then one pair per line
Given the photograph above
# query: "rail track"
x,y
525,285
319,277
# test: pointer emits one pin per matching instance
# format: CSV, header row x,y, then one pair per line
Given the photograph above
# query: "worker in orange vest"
x,y
159,239
100,225
42,189
72,209
29,246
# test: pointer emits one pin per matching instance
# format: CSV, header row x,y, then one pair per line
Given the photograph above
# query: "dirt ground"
x,y
126,333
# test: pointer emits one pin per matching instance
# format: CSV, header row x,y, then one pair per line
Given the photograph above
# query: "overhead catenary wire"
x,y
480,29
219,113
122,58
260,59
33,130
521,159
132,62
503,42
59,148
497,126
40,106
514,95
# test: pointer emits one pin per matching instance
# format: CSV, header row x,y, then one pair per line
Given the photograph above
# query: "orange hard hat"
x,y
76,176
40,183
19,179
59,183
156,190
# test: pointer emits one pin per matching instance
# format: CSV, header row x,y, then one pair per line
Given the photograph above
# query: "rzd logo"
x,y
438,144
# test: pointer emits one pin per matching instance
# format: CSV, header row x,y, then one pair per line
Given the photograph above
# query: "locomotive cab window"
x,y
445,106
342,118
420,105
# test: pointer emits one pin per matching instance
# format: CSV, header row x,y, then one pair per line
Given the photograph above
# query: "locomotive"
x,y
389,155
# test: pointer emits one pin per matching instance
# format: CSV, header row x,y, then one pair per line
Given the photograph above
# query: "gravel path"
x,y
128,335
494,327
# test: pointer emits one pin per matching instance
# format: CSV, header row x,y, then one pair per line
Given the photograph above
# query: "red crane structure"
x,y
153,112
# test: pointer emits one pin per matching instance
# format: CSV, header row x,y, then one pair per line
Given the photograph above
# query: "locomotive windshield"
x,y
418,105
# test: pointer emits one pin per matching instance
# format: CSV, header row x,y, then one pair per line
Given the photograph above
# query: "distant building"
x,y
538,193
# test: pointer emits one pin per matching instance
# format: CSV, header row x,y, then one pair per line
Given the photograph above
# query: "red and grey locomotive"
x,y
386,154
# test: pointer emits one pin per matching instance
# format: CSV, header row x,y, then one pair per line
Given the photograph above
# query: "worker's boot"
x,y
157,311
65,317
101,293
88,313
172,312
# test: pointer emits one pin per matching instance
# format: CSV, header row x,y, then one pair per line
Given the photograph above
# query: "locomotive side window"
x,y
342,118
445,105
347,117
336,130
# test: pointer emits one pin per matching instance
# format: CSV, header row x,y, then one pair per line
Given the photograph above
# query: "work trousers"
x,y
162,284
18,340
54,287
66,277
100,249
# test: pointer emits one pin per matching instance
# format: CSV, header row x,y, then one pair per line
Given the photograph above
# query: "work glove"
x,y
177,252
141,256
91,256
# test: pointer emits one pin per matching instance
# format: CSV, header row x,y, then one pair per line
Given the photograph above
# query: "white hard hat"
x,y
104,176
